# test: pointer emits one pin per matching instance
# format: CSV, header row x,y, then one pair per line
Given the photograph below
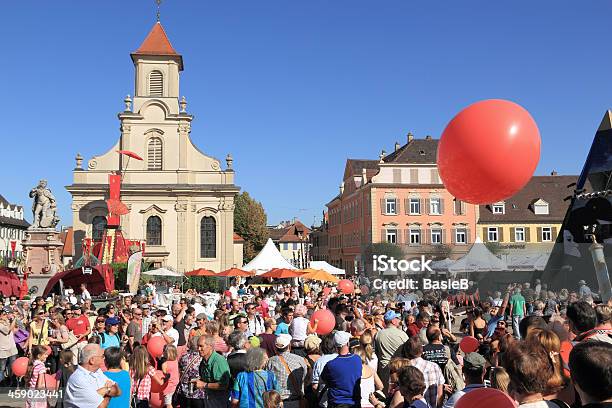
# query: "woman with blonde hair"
x,y
213,328
499,379
370,381
366,341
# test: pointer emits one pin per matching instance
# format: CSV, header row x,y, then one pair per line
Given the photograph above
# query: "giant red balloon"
x,y
327,321
20,366
346,286
155,346
469,344
485,398
488,152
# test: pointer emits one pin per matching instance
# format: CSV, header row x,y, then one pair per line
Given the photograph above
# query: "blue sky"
x,y
297,87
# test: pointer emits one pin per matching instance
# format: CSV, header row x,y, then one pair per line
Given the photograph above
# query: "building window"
x,y
154,153
459,207
492,234
391,236
415,206
98,226
434,206
208,238
461,236
519,234
546,234
436,236
154,233
390,206
415,236
295,246
540,208
156,84
499,208
285,246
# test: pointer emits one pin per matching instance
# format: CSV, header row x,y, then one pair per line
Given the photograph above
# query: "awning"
x,y
101,279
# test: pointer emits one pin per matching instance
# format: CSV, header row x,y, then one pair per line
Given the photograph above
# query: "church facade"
x,y
180,200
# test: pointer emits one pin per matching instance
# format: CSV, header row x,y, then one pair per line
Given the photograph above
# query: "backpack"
x,y
453,376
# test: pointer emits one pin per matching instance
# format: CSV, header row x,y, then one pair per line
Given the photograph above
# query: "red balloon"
x,y
485,398
346,286
327,321
489,151
20,366
155,346
469,344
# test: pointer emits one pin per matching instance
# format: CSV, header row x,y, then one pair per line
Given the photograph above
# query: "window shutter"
x,y
441,206
485,234
406,205
383,237
539,229
427,207
500,234
427,238
414,176
468,239
453,237
554,234
397,206
383,209
512,234
527,234
398,236
407,236
156,84
154,154
455,208
420,206
443,236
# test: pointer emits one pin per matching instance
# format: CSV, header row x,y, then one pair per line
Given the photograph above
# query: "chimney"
x,y
382,155
364,177
397,146
410,137
553,173
342,188
428,137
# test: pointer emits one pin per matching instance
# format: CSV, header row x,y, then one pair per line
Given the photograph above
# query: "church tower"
x,y
181,201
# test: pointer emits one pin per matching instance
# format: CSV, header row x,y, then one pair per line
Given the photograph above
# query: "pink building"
x,y
398,199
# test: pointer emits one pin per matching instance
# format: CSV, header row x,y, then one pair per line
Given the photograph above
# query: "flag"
x,y
133,271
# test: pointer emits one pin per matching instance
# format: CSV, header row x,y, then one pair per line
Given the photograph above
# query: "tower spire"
x,y
158,4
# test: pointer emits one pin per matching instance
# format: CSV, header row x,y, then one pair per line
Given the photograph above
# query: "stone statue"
x,y
43,207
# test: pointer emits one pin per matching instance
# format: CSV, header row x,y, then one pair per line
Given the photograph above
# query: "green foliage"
x,y
440,251
120,271
382,248
202,283
250,222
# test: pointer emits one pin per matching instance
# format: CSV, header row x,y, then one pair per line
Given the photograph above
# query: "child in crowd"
x,y
171,371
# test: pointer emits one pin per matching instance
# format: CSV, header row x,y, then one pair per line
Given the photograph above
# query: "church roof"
x,y
157,43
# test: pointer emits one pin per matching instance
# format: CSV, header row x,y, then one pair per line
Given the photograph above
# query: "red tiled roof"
x,y
67,237
157,43
238,238
290,233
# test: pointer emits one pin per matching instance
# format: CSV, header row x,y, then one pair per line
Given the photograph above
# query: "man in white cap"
x,y
342,375
290,372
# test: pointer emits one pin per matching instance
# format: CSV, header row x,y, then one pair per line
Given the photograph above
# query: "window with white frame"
x,y
436,235
415,205
434,206
390,206
461,236
546,234
540,207
492,234
499,208
519,234
415,236
391,236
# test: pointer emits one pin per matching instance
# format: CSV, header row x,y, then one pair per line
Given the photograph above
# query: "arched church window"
x,y
156,83
154,230
208,238
98,225
154,153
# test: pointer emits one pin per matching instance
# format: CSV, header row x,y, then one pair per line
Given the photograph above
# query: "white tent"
x,y
326,267
478,259
442,265
527,261
163,272
267,259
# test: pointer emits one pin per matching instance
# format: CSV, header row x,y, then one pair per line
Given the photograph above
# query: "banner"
x,y
13,246
133,271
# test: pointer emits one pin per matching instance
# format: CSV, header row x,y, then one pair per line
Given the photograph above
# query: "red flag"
x,y
13,246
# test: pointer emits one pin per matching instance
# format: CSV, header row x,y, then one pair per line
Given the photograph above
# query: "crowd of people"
x,y
257,348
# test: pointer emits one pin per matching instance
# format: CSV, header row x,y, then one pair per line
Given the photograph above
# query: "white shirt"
x,y
172,332
81,388
85,295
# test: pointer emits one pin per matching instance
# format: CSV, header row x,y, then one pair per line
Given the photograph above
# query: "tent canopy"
x,y
478,259
442,265
101,279
267,259
326,267
527,261
163,272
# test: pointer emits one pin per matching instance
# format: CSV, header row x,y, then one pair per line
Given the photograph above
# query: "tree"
x,y
383,248
250,222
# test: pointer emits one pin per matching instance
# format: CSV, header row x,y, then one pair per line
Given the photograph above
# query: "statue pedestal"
x,y
42,250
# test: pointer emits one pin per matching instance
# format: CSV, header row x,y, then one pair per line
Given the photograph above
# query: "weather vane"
x,y
158,4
